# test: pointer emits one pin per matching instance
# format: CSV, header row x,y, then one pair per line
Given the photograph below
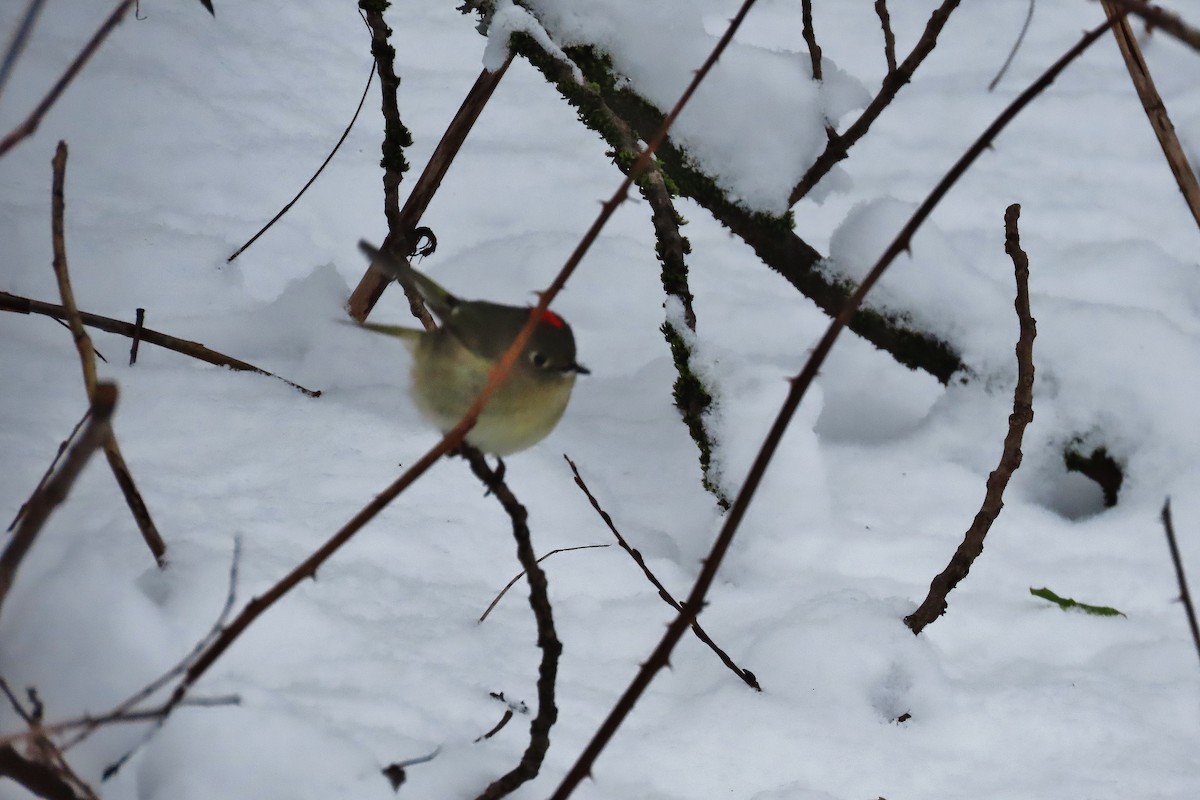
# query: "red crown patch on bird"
x,y
552,319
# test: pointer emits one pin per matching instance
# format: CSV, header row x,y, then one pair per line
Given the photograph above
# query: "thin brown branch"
x,y
1185,596
55,490
112,451
659,658
889,38
500,595
1156,110
745,674
370,287
1162,19
34,119
62,448
810,38
971,547
839,147
287,207
25,305
539,600
1012,53
83,343
20,37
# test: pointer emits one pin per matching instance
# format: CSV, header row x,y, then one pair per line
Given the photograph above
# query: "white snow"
x,y
186,133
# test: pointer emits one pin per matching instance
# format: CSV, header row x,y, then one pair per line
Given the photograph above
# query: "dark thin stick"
x,y
1160,18
547,639
521,574
31,123
55,490
139,320
62,448
971,547
810,38
658,659
313,179
370,287
745,674
508,714
839,147
1156,111
889,38
20,38
112,451
1016,46
24,305
1184,595
95,350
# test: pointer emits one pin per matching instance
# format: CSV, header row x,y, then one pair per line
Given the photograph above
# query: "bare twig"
x,y
62,448
508,715
139,320
370,287
1016,46
1156,110
31,123
1184,595
839,147
889,38
395,135
55,490
934,604
20,38
25,305
539,600
810,38
112,451
745,674
658,659
315,175
496,600
1162,19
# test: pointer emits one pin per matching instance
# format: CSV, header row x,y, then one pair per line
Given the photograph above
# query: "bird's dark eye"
x,y
538,359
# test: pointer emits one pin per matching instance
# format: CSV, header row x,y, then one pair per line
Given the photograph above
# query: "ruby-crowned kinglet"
x,y
451,364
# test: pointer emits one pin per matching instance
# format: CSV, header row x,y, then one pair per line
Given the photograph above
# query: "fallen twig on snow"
x,y
934,604
24,305
1184,595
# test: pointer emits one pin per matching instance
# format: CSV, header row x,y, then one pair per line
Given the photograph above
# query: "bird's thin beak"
x,y
579,369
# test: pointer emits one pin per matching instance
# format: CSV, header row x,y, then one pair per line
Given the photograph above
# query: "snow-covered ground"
x,y
187,132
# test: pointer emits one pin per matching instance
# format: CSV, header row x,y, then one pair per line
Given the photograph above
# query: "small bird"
x,y
451,363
